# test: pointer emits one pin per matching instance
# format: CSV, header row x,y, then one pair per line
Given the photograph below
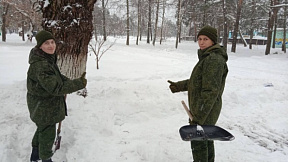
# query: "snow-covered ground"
x,y
130,114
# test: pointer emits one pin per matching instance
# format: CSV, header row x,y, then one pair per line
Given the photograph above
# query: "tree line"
x,y
74,22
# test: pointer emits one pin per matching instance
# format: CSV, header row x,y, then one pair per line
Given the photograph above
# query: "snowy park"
x,y
130,114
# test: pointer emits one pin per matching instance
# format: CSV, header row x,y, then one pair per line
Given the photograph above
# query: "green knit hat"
x,y
209,32
42,36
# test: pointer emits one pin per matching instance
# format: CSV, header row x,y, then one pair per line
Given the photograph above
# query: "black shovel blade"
x,y
204,132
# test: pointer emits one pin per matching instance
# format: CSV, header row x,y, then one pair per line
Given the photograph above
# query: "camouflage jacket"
x,y
46,88
206,85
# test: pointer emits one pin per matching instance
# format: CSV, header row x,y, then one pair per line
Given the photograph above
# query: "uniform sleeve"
x,y
52,82
64,77
182,85
213,69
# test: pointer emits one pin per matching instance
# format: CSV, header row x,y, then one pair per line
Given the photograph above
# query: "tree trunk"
x,y
205,13
190,30
225,36
284,34
270,28
195,31
95,28
251,38
275,11
156,22
162,24
23,28
72,28
236,26
149,22
180,27
142,24
4,14
252,23
139,21
127,23
104,20
178,23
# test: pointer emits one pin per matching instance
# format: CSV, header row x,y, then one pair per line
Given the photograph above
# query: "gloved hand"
x,y
173,87
84,80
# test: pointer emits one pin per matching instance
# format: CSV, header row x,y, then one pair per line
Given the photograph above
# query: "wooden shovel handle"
x,y
187,110
60,123
59,127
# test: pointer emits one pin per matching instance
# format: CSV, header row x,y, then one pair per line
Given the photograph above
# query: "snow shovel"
x,y
58,138
203,132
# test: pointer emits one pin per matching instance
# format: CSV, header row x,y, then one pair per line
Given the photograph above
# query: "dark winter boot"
x,y
48,160
34,155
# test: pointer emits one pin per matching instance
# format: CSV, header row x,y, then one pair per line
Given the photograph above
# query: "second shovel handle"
x,y
59,127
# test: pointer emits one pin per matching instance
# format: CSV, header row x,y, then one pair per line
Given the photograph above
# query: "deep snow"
x,y
130,114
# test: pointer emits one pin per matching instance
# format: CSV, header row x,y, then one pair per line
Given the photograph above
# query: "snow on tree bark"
x,y
70,21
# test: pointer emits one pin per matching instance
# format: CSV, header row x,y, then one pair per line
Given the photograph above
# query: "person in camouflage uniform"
x,y
46,90
205,88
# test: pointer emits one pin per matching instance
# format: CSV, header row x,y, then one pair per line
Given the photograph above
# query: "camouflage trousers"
x,y
43,139
203,151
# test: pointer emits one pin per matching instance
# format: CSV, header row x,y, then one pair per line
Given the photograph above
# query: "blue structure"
x,y
279,38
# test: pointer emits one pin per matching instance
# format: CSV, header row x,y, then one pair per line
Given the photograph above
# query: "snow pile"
x,y
130,114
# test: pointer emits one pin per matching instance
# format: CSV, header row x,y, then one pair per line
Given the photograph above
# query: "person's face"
x,y
49,46
204,42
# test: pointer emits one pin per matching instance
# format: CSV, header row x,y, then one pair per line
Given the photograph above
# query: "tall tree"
x,y
139,21
156,21
205,13
21,16
178,22
162,24
252,23
225,31
275,11
104,20
284,30
23,28
127,23
4,18
236,25
270,28
71,24
149,30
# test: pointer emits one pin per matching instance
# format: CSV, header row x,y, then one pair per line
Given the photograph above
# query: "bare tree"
x,y
72,28
156,22
178,23
252,23
104,20
205,13
236,25
275,10
127,22
149,30
163,18
284,31
225,31
4,18
139,21
95,28
143,23
99,48
270,28
22,15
